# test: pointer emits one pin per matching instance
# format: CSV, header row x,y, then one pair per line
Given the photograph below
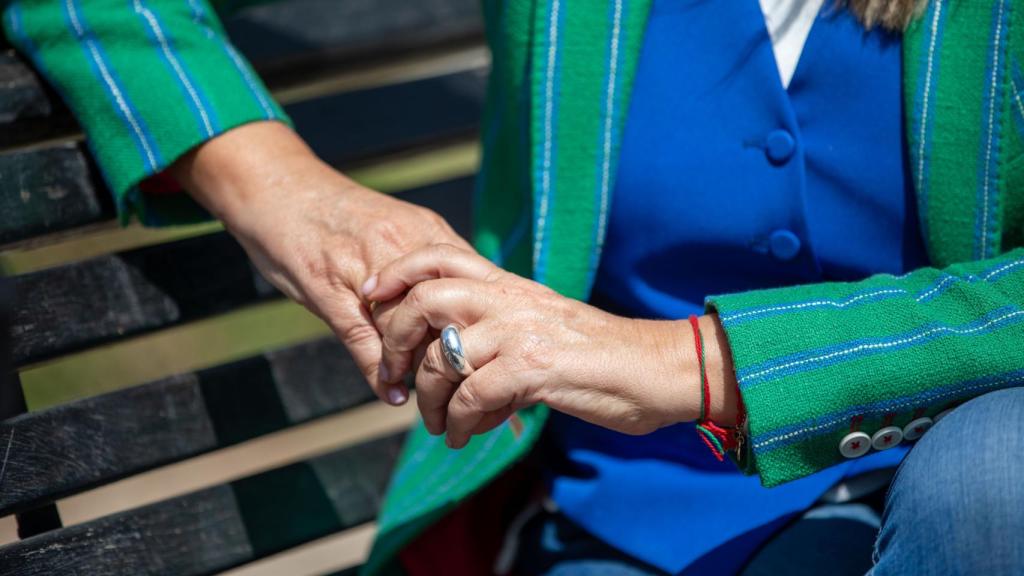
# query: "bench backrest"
x,y
389,90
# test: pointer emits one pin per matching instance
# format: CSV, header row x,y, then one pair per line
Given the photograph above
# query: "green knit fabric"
x,y
584,60
810,358
953,111
148,80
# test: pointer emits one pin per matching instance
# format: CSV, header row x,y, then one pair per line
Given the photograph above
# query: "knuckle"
x,y
418,295
434,361
356,333
392,343
468,396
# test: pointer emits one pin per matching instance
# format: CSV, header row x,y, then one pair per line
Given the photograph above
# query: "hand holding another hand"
x,y
313,233
527,344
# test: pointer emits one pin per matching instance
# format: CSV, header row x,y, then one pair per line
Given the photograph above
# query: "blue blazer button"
x,y
784,244
780,146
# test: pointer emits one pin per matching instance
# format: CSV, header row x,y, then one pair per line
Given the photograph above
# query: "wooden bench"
x,y
168,412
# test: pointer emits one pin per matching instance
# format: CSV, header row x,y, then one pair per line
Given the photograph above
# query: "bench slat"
x,y
48,190
286,42
57,188
79,305
291,39
70,448
221,527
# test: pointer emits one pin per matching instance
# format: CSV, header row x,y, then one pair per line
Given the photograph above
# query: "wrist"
x,y
677,379
724,400
674,378
239,170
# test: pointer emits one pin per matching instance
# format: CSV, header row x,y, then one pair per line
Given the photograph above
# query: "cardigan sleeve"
x,y
816,362
147,80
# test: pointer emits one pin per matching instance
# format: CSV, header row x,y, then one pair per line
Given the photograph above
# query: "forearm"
x,y
238,171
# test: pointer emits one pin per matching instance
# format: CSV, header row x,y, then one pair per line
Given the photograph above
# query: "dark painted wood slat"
x,y
287,42
221,527
289,39
12,400
70,307
88,303
46,190
70,448
57,189
22,95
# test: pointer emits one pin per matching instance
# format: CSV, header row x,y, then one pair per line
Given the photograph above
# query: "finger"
x,y
428,263
421,351
436,380
431,304
352,324
490,389
382,312
492,420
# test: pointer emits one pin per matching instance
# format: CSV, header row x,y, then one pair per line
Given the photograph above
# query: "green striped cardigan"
x,y
150,79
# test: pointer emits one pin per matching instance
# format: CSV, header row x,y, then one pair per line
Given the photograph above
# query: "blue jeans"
x,y
955,506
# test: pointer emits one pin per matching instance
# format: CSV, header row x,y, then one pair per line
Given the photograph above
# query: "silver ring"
x,y
454,353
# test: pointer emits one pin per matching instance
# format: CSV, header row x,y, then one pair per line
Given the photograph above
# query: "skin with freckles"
x,y
313,233
528,345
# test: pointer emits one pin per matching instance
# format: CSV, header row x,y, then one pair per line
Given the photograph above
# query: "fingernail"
x,y
396,396
370,285
448,442
382,373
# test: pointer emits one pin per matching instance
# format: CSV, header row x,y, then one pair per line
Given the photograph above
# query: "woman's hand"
x,y
527,344
312,232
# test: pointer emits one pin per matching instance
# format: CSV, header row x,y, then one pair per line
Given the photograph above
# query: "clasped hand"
x,y
526,345
318,236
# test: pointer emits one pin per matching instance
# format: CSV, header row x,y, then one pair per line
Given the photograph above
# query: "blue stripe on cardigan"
x,y
752,376
545,197
829,423
193,92
924,102
107,77
200,17
611,109
985,225
932,291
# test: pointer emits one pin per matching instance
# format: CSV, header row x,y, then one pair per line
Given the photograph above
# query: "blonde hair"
x,y
889,14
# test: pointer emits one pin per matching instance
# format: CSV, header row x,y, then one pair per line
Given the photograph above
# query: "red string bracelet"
x,y
717,438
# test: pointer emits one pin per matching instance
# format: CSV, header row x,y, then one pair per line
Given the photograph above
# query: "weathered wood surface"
x,y
286,41
88,303
221,527
12,402
70,448
57,188
23,96
48,189
289,39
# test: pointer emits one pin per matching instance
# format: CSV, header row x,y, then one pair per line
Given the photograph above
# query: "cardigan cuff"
x,y
147,81
819,363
